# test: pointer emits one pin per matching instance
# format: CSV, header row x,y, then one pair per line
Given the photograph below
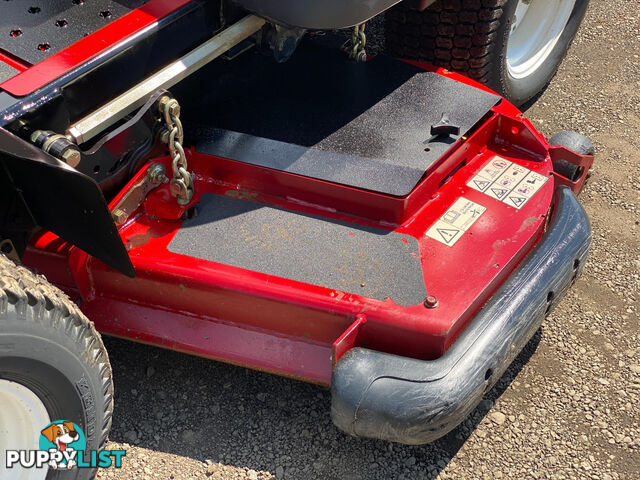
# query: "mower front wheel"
x,y
53,366
576,143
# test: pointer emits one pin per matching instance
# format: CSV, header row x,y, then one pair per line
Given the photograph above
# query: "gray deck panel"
x,y
371,262
322,116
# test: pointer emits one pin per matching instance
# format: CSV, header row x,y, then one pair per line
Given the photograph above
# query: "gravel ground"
x,y
568,407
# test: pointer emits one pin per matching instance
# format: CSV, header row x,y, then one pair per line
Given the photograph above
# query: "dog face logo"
x,y
64,439
61,445
61,435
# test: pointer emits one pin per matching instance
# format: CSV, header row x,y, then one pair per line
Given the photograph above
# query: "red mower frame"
x,y
406,373
300,330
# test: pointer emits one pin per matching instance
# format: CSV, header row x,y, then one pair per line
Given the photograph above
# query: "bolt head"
x,y
174,107
72,157
119,216
431,302
174,110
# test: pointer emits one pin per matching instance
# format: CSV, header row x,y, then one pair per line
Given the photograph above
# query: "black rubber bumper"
x,y
399,399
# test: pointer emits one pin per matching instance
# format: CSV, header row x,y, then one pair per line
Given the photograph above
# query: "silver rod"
x,y
135,97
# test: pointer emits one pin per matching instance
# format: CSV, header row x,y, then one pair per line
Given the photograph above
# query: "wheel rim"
x,y
535,30
22,417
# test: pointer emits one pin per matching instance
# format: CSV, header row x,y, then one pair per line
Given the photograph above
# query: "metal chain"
x,y
182,182
358,43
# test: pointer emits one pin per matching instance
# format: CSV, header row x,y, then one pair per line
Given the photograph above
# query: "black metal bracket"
x,y
48,193
116,156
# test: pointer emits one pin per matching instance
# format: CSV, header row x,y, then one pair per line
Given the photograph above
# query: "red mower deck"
x,y
208,285
342,250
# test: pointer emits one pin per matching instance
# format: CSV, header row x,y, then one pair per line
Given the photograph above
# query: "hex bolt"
x,y
119,216
174,109
431,302
72,157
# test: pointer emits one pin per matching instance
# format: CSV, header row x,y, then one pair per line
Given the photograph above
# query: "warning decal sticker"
x,y
508,182
458,219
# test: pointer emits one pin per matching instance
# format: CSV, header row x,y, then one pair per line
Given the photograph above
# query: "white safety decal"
x,y
508,182
458,219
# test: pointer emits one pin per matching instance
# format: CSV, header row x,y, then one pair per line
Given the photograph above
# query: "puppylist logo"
x,y
63,446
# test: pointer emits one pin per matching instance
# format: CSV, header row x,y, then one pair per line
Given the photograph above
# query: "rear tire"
x,y
472,37
48,346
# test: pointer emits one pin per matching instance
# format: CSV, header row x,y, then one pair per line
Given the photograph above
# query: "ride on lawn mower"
x,y
383,225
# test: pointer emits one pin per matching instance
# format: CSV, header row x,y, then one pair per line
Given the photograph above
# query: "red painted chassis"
x,y
291,328
300,330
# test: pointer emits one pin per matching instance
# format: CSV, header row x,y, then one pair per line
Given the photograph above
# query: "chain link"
x,y
358,44
182,182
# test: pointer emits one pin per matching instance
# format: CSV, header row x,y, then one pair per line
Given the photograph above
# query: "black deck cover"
x,y
6,72
320,115
35,29
367,261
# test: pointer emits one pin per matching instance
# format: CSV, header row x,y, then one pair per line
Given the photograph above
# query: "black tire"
x,y
50,347
576,143
573,141
470,37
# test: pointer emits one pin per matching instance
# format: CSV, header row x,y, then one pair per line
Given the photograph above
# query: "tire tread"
x,y
21,289
464,33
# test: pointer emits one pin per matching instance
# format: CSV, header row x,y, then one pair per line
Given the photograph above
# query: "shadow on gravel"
x,y
530,103
205,410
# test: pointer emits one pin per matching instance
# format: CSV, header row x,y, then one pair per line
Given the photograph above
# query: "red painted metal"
x,y
349,339
584,162
42,73
229,342
292,328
